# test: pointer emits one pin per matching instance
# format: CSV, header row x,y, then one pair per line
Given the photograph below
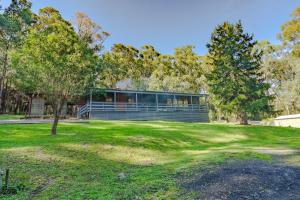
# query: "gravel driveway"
x,y
243,180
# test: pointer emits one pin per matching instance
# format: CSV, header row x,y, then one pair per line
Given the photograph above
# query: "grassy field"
x,y
126,160
10,116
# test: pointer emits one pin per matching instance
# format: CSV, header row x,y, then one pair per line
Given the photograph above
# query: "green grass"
x,y
10,116
84,161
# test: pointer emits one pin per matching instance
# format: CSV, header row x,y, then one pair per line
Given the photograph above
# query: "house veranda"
x,y
114,104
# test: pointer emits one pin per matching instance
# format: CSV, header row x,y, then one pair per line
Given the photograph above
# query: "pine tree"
x,y
235,80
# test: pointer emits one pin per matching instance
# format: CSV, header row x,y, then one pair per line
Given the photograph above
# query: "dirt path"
x,y
243,180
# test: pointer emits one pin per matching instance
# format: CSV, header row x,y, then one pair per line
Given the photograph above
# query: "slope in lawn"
x,y
117,160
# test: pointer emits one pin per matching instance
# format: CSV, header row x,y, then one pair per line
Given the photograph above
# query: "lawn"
x,y
126,160
10,116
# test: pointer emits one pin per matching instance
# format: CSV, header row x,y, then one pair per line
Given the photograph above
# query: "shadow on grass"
x,y
85,160
87,176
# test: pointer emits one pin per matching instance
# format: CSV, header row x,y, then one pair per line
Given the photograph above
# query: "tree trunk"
x,y
54,125
2,81
243,118
28,112
17,104
57,107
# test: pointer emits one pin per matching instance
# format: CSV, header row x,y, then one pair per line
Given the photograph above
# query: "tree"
x,y
281,68
290,32
278,69
188,66
14,22
235,80
160,78
111,72
90,32
147,69
289,88
149,57
181,72
148,60
122,62
54,61
94,36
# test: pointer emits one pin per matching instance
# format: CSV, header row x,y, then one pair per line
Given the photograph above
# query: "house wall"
x,y
64,110
143,116
37,107
293,122
138,105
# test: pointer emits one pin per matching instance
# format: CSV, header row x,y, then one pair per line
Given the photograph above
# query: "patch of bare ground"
x,y
246,179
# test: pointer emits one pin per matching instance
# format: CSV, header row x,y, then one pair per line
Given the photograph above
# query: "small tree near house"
x,y
54,61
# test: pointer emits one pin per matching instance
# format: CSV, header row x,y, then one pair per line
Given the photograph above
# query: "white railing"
x,y
118,106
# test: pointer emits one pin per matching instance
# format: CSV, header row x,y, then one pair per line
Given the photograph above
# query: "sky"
x,y
167,24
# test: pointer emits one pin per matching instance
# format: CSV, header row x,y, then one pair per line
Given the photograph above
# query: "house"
x,y
115,104
288,120
38,107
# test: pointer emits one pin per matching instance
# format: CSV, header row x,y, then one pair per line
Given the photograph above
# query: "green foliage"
x,y
54,61
149,59
85,161
241,74
181,72
161,78
235,80
126,62
290,36
281,66
147,69
90,32
120,63
14,22
290,32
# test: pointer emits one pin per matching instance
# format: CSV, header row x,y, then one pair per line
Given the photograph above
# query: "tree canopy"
x,y
46,54
54,61
281,66
14,22
235,80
